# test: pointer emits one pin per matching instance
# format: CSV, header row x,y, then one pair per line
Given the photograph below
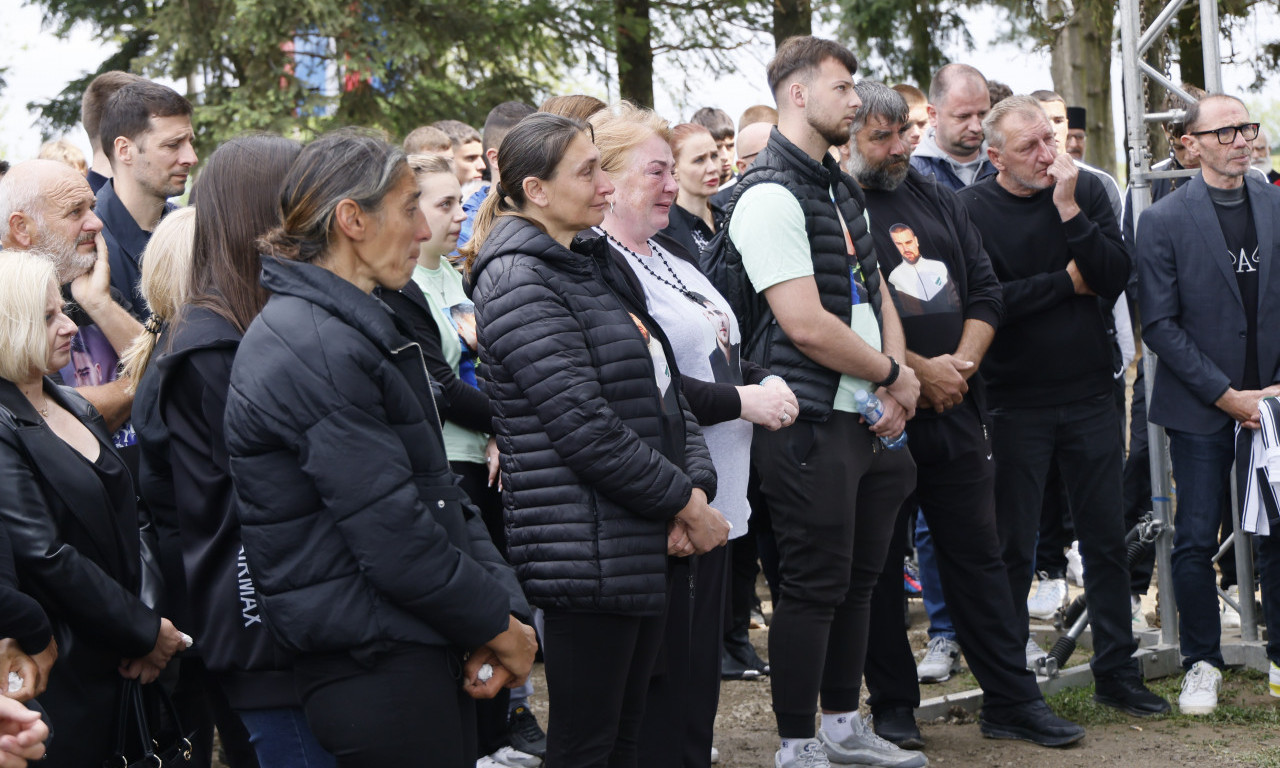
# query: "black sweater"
x,y
1052,347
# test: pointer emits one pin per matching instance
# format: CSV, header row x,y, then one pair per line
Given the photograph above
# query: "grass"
x,y
1077,704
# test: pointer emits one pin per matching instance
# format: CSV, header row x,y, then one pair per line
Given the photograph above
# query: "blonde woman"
x,y
69,508
166,281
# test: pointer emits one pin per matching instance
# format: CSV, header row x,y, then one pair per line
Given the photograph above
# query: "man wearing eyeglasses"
x,y
1210,299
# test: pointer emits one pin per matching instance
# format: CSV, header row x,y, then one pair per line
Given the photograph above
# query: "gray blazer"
x,y
1192,313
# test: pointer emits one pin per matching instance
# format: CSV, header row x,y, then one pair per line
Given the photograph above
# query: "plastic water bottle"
x,y
869,406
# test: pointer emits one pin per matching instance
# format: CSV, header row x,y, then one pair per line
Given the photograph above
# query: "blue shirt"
x,y
125,243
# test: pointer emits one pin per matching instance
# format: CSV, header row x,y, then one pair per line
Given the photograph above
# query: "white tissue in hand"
x,y
485,673
187,641
15,682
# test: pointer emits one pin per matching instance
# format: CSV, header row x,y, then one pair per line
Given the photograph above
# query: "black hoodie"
x,y
185,480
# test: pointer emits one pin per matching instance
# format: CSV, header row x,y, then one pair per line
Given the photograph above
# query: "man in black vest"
x,y
1055,245
946,336
815,315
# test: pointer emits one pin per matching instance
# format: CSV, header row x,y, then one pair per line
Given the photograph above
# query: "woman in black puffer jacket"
x,y
371,564
604,470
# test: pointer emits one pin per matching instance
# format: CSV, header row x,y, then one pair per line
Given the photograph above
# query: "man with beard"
x,y
953,149
949,439
814,313
46,206
146,134
1055,245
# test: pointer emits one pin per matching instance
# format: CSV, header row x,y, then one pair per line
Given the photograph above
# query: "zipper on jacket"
x,y
423,360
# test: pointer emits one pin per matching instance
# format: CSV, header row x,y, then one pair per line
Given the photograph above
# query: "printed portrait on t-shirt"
x,y
923,285
94,363
462,316
661,368
726,366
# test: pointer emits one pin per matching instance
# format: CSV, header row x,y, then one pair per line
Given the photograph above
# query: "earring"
x,y
610,206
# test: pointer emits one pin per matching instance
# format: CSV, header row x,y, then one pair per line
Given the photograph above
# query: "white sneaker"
x,y
514,758
715,755
941,661
1231,617
1200,689
1034,653
1274,680
488,762
1050,596
1075,566
808,754
1136,614
864,748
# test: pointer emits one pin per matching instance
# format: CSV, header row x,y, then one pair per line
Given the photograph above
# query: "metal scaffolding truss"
x,y
1135,45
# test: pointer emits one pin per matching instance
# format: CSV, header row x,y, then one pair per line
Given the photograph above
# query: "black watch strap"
x,y
894,370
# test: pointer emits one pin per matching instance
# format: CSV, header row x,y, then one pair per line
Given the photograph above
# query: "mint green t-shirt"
x,y
443,289
767,228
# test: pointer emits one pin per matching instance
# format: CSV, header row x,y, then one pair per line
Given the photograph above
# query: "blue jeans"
x,y
931,584
1202,468
282,739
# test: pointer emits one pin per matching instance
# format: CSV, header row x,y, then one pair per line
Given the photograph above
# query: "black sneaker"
x,y
898,725
1128,694
1033,722
525,733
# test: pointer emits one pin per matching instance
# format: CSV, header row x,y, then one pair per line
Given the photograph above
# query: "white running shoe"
x,y
1200,689
808,754
1274,680
1136,614
941,661
1075,566
1050,596
1231,617
862,747
1034,653
514,758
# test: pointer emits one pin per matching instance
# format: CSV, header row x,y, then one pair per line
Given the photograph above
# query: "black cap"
x,y
1076,118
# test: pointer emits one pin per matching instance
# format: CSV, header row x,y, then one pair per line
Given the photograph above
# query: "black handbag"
x,y
138,744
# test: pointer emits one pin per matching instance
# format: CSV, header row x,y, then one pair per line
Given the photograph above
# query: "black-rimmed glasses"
x,y
1227,134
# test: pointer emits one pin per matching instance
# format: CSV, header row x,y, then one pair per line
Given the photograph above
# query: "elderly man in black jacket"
x,y
947,336
1055,246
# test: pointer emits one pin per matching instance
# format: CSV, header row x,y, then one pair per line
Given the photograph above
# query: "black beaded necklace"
x,y
678,285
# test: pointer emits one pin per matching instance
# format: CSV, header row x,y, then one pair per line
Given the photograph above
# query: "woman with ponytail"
x,y
604,469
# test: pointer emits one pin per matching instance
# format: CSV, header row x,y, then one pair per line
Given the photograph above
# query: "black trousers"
x,y
684,691
955,487
834,494
404,706
598,667
491,714
1081,438
1137,480
1056,527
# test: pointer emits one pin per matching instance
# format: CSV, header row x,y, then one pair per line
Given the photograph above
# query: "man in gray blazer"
x,y
1210,299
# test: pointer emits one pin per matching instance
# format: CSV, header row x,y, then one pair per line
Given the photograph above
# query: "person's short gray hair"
x,y
878,100
24,286
19,192
993,123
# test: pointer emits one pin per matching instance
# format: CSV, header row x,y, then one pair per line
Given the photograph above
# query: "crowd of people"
x,y
325,459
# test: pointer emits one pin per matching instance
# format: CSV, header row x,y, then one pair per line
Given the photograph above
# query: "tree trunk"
x,y
1081,66
1190,50
791,18
635,51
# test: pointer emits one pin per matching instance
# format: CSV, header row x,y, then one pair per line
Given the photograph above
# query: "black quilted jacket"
x,y
591,469
355,530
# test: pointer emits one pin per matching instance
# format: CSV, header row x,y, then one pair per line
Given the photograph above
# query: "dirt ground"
x,y
1244,732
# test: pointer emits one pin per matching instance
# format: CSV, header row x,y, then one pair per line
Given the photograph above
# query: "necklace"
x,y
678,285
44,412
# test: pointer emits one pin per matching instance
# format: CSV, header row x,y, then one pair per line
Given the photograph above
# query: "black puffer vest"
x,y
782,162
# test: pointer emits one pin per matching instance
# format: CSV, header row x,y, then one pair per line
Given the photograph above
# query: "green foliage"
x,y
905,39
399,63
